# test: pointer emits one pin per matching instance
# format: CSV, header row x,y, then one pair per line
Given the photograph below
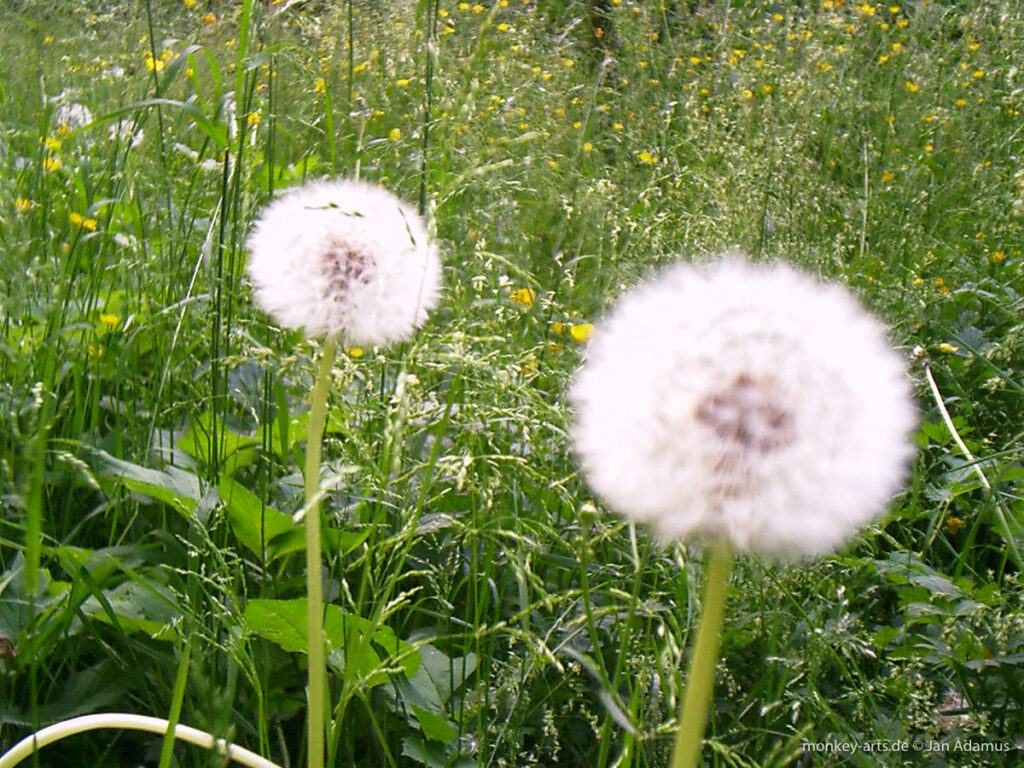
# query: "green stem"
x,y
31,744
177,698
314,591
700,681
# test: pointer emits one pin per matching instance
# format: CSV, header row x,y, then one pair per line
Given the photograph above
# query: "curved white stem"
x,y
158,725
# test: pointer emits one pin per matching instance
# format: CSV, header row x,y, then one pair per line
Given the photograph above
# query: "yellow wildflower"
x,y
355,352
588,147
22,203
523,296
648,158
109,320
911,86
320,86
395,134
52,144
581,331
51,163
253,118
209,19
82,222
996,256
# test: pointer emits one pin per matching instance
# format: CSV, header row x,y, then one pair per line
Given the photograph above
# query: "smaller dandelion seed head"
x,y
344,259
743,402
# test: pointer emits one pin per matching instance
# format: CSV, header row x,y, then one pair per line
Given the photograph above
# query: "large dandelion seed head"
x,y
744,402
344,259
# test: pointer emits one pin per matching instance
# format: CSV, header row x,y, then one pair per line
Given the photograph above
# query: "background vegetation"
x,y
485,609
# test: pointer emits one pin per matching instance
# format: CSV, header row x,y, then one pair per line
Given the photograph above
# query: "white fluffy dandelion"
x,y
344,259
746,403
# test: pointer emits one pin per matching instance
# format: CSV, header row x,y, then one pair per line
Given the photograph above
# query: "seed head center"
x,y
749,414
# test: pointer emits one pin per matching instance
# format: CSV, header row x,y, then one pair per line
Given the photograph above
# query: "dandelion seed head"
x,y
344,259
744,402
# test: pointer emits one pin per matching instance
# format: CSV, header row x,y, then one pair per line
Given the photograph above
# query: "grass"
x,y
484,608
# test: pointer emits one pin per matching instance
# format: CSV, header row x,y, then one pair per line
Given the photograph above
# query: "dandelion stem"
x,y
317,691
700,681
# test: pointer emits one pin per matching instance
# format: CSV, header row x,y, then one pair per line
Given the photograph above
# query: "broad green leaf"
x,y
233,451
252,522
173,486
137,606
434,726
284,622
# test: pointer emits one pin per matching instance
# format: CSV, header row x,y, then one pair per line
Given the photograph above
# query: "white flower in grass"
x,y
744,402
344,259
71,115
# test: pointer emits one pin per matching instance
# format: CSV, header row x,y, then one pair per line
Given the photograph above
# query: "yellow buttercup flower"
x,y
109,320
22,203
582,331
395,134
523,296
82,222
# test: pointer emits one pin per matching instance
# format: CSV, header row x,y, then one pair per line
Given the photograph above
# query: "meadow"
x,y
486,607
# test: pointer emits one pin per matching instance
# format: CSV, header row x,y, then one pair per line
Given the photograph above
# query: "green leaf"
x,y
430,755
173,486
233,452
434,726
252,522
137,606
284,622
